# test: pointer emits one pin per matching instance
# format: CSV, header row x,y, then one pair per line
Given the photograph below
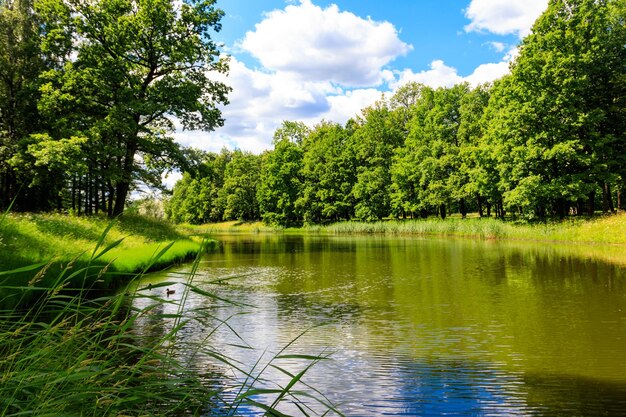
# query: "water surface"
x,y
419,326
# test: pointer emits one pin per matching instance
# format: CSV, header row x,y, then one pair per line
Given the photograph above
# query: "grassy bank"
x,y
31,243
603,230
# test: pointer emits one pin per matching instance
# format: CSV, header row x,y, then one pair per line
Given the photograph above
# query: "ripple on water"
x,y
409,339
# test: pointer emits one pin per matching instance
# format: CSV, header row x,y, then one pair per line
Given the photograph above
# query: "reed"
x,y
606,229
71,354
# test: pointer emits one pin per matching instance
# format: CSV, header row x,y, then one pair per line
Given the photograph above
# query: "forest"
x,y
81,124
548,140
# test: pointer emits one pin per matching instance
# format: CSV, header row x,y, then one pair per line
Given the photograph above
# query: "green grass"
x,y
55,241
606,229
232,226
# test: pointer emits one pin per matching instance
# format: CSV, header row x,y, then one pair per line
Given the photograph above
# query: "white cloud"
x,y
497,46
504,17
261,101
439,75
316,44
442,75
348,105
488,72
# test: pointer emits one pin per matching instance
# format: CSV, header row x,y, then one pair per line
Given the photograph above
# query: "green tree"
x,y
238,194
328,170
21,63
281,180
138,64
565,108
196,197
416,101
374,141
475,177
430,158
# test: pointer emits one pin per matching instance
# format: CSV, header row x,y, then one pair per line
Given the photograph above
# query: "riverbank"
x,y
609,229
45,244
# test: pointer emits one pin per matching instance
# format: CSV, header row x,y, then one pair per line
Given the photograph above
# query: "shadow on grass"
x,y
149,228
68,227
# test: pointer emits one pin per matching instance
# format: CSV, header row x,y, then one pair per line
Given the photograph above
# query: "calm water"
x,y
422,326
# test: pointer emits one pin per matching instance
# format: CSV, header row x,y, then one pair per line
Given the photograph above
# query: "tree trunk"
x,y
580,208
591,204
123,186
442,211
610,197
479,201
463,208
606,196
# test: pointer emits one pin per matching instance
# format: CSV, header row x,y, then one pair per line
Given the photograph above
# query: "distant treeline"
x,y
548,140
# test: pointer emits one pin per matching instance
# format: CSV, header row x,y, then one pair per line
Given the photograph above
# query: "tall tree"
x,y
417,101
138,64
374,140
565,121
328,170
475,177
21,63
239,192
281,179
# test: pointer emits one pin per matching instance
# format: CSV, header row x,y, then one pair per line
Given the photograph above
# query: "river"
x,y
416,326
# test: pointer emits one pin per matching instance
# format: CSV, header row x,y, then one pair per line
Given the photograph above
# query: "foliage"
x,y
328,169
374,141
560,118
238,194
116,74
281,180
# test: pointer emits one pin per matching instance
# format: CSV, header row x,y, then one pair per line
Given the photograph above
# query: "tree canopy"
x,y
116,75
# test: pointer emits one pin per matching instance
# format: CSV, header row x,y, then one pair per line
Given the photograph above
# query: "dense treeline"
x,y
88,90
547,140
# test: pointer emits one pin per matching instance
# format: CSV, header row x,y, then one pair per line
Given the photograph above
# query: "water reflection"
x,y
423,326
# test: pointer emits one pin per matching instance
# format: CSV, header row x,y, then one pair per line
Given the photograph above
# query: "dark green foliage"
x,y
238,194
196,198
560,117
102,81
281,180
329,174
374,141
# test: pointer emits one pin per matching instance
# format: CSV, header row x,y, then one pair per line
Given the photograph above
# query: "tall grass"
x,y
73,355
609,229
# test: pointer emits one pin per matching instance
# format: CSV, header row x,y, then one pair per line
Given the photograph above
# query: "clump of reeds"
x,y
605,229
483,228
75,352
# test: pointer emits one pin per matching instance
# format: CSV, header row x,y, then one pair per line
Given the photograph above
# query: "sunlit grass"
x,y
59,240
606,229
33,238
233,226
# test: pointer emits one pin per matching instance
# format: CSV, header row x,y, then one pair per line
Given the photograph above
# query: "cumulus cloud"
x,y
442,75
504,17
316,44
261,100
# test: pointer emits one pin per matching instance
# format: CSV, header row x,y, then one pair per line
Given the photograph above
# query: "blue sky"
x,y
313,60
